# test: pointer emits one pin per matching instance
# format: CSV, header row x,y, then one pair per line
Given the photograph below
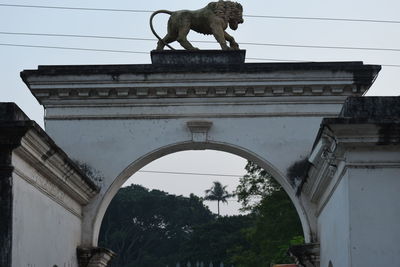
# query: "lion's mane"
x,y
226,10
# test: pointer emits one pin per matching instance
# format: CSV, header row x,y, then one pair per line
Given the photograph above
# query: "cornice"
x,y
330,158
127,91
118,82
54,167
29,142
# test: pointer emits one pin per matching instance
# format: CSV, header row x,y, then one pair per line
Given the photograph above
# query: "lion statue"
x,y
212,19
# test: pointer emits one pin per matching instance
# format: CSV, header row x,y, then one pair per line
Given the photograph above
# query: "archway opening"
x,y
177,183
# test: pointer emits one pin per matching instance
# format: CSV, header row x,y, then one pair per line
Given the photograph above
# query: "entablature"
x,y
53,84
355,139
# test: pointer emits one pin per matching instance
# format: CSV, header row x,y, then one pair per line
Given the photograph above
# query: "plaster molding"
x,y
173,108
54,168
331,156
47,94
189,115
199,130
54,84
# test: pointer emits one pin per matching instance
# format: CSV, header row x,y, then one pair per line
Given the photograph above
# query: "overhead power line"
x,y
73,48
210,42
325,18
79,8
141,52
192,173
78,36
246,15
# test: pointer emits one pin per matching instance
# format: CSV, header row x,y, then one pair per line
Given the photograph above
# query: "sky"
x,y
254,30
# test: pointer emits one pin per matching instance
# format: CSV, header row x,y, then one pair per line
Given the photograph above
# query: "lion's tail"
x,y
152,28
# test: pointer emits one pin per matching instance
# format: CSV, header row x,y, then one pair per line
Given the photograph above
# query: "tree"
x,y
217,240
148,228
154,228
276,225
217,193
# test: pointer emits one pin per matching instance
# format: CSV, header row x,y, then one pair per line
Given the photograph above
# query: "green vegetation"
x,y
154,228
218,193
276,223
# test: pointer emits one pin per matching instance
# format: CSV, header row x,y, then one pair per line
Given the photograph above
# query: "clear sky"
x,y
254,30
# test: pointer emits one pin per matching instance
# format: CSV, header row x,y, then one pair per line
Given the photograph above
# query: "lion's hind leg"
x,y
169,38
182,38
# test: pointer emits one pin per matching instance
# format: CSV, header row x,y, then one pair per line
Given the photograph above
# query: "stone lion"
x,y
212,19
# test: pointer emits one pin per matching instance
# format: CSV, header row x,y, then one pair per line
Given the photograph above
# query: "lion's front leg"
x,y
219,35
231,41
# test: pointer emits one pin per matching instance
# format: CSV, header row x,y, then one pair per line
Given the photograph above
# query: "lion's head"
x,y
230,12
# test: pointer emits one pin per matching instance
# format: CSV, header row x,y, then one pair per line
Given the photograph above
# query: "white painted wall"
x,y
334,227
375,216
110,146
359,225
118,148
45,233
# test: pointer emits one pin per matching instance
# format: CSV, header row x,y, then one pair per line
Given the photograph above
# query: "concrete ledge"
x,y
30,141
371,107
11,112
199,57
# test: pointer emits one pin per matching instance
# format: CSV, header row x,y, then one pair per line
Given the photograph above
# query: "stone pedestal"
x,y
199,57
94,256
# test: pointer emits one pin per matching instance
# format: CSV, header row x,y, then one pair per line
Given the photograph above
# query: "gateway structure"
x,y
337,159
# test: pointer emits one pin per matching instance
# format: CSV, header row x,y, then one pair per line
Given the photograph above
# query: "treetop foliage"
x,y
154,228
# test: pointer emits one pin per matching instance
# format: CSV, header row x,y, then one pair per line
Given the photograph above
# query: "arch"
x,y
135,166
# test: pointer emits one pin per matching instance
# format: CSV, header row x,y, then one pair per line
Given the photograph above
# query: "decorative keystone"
x,y
199,130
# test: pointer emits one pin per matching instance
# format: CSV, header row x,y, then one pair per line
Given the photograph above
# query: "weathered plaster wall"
x,y
281,141
45,232
359,226
375,216
118,148
334,227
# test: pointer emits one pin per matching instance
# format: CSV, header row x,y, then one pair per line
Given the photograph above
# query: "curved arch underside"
x,y
184,146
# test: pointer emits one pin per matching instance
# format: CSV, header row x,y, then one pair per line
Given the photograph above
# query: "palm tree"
x,y
217,192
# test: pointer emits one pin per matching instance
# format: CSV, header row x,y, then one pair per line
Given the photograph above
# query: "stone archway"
x,y
115,119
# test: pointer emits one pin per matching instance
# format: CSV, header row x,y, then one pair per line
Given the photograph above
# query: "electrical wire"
x,y
192,173
325,18
141,52
287,60
78,8
246,15
210,42
73,48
